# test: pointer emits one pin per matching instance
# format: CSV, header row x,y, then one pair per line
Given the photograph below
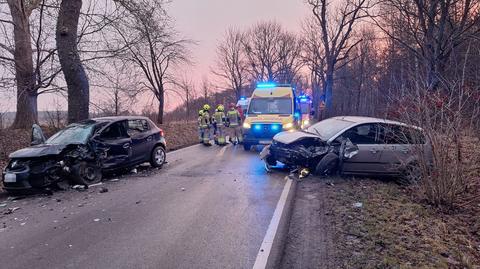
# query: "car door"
x,y
116,144
367,160
400,147
139,131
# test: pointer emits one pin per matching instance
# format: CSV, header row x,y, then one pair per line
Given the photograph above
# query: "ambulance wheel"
x,y
247,147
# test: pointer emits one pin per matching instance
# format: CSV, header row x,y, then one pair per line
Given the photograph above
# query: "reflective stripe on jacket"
x,y
219,118
233,117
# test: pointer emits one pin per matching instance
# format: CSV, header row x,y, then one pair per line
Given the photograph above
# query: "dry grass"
x,y
393,230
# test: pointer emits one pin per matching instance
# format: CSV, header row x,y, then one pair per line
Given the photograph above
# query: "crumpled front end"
x,y
31,173
298,154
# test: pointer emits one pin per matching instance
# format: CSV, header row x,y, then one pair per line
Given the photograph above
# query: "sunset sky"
x,y
206,21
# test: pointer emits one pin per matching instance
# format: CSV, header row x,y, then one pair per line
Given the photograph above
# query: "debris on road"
x,y
138,202
114,180
304,172
358,205
134,171
103,190
3,205
23,223
96,220
80,187
183,189
96,184
11,210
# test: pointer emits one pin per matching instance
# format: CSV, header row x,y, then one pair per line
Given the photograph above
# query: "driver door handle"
x,y
126,145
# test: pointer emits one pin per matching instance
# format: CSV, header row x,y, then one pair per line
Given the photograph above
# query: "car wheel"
x,y
327,165
411,173
85,173
247,147
158,157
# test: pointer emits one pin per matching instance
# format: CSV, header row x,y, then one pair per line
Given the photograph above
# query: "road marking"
x,y
222,151
182,149
266,247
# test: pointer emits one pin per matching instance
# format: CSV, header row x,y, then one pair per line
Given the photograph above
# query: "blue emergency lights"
x,y
275,127
257,127
243,98
266,85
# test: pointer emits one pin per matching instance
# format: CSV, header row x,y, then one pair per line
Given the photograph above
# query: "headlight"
x,y
246,125
306,122
288,125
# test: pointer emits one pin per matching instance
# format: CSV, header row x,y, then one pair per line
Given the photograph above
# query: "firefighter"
x,y
234,122
219,119
206,124
201,129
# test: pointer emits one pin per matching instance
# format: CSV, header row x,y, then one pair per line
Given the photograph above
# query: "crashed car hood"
x,y
289,137
38,151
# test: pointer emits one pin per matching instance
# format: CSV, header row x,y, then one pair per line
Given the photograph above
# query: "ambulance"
x,y
272,109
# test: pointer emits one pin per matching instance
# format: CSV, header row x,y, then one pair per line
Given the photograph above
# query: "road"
x,y
207,208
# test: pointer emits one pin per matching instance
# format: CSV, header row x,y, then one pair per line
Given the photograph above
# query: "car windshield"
x,y
73,134
270,106
326,129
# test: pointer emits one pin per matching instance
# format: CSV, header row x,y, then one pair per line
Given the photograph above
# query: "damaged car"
x,y
350,145
82,151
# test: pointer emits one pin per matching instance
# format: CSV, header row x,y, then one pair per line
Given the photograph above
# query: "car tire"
x,y
327,165
158,156
247,147
85,173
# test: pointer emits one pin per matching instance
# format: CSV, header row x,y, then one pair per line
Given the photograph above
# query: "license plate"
x,y
10,178
264,142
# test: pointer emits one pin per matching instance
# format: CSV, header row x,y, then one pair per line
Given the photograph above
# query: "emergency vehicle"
x,y
272,109
306,110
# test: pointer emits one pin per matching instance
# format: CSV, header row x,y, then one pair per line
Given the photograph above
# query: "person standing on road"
x,y
234,122
206,124
219,118
201,128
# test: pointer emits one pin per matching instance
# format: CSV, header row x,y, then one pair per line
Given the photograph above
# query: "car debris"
x,y
103,190
358,205
82,151
3,205
11,210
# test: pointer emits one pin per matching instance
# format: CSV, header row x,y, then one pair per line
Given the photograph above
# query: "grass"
x,y
393,230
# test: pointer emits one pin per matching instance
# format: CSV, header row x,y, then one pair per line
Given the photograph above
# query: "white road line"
x,y
266,247
222,151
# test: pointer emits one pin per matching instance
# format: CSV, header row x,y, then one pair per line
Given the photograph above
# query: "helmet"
x,y
231,105
206,107
220,108
200,113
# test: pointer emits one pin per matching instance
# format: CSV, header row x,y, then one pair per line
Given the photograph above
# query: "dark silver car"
x,y
382,146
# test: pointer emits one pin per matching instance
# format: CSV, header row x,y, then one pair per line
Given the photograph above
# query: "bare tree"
x,y
186,88
231,62
153,45
431,30
336,24
273,54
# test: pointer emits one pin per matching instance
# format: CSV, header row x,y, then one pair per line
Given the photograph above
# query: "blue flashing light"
x,y
257,127
266,85
303,100
243,98
296,115
275,127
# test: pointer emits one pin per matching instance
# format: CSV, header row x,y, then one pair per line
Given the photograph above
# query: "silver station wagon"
x,y
351,145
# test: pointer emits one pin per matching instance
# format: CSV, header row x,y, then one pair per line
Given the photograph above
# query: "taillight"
x,y
162,133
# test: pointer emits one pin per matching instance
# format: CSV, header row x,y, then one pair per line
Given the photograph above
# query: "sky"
x,y
206,21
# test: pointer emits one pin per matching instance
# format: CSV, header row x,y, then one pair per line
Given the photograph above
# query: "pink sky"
x,y
206,21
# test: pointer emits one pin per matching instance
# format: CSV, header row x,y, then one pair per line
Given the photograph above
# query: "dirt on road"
x,y
366,223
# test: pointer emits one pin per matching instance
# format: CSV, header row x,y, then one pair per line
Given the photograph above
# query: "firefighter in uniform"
x,y
206,124
234,122
220,121
201,129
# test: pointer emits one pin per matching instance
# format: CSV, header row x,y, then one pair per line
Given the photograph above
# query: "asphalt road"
x,y
207,208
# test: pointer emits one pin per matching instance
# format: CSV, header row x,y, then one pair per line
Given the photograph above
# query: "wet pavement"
x,y
207,208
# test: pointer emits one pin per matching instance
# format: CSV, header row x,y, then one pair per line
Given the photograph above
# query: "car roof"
x,y
120,118
360,120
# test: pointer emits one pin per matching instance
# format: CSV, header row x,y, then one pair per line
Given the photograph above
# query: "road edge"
x,y
278,244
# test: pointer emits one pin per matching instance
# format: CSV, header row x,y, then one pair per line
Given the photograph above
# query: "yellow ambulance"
x,y
272,109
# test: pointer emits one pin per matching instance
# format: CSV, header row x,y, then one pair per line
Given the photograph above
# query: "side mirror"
x,y
37,135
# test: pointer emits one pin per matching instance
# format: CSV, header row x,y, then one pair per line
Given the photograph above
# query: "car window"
x,y
136,127
115,131
72,134
397,134
329,127
362,134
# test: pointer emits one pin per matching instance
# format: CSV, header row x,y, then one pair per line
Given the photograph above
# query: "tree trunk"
x,y
328,90
161,105
24,72
75,75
